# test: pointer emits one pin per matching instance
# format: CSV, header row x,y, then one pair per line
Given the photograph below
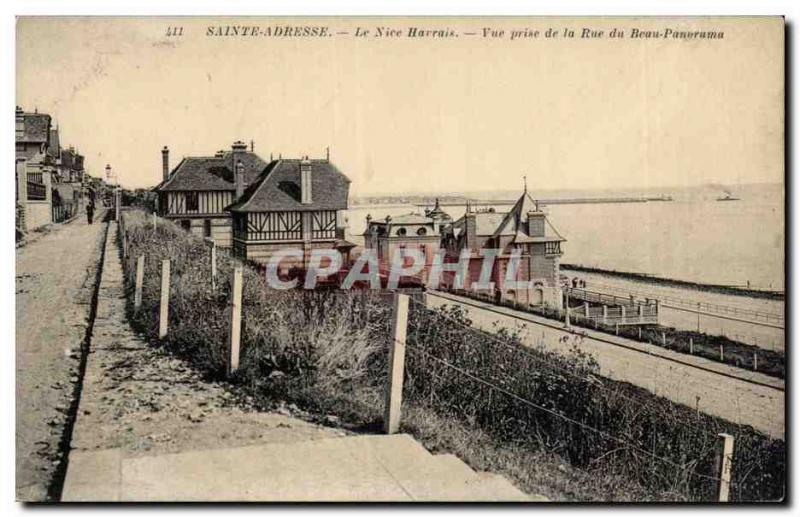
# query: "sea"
x,y
693,237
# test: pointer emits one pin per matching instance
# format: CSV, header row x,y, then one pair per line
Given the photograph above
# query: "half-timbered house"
x,y
197,192
296,204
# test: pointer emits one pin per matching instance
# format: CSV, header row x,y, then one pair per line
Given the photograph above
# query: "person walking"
x,y
90,212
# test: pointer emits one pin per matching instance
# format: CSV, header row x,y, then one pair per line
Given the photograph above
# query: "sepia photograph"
x,y
402,259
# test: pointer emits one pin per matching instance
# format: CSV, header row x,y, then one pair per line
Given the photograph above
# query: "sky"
x,y
419,115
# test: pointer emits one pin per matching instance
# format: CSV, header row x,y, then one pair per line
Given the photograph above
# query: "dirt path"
x,y
54,284
735,399
141,401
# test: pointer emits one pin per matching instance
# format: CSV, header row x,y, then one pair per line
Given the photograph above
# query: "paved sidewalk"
x,y
55,277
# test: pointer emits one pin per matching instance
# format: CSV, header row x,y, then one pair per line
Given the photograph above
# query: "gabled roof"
x,y
212,172
278,188
512,223
517,214
515,221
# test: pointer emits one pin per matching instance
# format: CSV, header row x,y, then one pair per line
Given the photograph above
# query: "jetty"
x,y
558,201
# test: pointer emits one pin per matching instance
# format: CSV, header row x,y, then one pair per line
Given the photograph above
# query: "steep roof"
x,y
212,172
437,213
517,214
54,147
278,188
514,223
511,223
36,128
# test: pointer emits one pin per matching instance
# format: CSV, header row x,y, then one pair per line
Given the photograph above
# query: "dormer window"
x,y
422,231
401,232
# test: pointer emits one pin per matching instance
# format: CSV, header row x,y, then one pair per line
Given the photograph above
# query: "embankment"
x,y
528,414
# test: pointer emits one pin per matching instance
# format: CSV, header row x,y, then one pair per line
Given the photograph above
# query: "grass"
x,y
585,437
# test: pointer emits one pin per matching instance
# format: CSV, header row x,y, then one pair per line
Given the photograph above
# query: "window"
x,y
207,228
552,248
401,232
186,224
422,231
192,202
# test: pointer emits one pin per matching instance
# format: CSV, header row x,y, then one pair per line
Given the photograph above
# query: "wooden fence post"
x,y
137,296
755,360
724,464
691,346
664,338
163,319
397,357
721,353
698,317
567,323
213,265
235,330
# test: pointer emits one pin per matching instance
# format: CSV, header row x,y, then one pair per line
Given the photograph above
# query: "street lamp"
x,y
116,192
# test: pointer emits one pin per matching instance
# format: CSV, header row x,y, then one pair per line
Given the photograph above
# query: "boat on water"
x,y
728,197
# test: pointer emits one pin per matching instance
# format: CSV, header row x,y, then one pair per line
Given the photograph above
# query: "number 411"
x,y
174,31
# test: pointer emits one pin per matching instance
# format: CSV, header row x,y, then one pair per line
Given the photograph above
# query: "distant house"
x,y
525,229
34,170
296,204
70,168
197,192
409,231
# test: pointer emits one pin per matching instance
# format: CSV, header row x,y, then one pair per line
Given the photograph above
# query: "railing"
x,y
613,310
36,191
711,308
62,212
615,315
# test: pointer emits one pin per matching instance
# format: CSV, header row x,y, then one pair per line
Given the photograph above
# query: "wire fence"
x,y
537,399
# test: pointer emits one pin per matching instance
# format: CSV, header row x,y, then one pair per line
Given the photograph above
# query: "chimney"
x,y
470,231
305,181
238,149
165,162
536,222
238,179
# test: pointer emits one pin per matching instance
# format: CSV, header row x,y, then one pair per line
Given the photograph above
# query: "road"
x,y
711,387
54,284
